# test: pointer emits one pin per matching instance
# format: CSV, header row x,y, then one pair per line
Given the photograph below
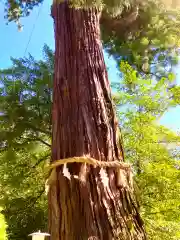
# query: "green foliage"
x,y
150,148
113,8
22,222
22,194
150,44
25,106
15,9
25,97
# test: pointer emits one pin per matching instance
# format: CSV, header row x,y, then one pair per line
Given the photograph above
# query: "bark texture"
x,y
84,124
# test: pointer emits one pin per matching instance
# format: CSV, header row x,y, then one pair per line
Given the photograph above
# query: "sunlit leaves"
x,y
154,36
25,106
151,148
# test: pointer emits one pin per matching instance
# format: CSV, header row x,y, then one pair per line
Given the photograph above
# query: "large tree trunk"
x,y
84,124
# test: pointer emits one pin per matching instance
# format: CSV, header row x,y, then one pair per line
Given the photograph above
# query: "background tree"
x,y
151,147
88,94
25,123
153,44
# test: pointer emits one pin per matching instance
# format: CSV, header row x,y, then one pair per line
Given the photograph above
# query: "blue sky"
x,y
37,30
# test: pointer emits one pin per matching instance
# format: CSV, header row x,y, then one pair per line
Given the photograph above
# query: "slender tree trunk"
x,y
84,124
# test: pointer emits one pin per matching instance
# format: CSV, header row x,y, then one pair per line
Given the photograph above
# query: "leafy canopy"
x,y
25,126
152,149
15,9
150,43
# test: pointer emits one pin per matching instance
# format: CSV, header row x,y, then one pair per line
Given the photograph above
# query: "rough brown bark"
x,y
84,124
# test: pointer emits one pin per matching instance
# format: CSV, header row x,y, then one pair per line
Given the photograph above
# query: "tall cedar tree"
x,y
84,123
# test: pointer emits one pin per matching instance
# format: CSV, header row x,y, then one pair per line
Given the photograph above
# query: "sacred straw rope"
x,y
121,166
91,161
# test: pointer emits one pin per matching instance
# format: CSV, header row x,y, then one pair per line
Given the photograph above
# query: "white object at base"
x,y
38,235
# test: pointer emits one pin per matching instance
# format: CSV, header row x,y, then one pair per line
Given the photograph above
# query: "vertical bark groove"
x,y
84,124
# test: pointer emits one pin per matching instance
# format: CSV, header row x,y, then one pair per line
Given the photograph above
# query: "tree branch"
x,y
42,141
38,129
40,160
